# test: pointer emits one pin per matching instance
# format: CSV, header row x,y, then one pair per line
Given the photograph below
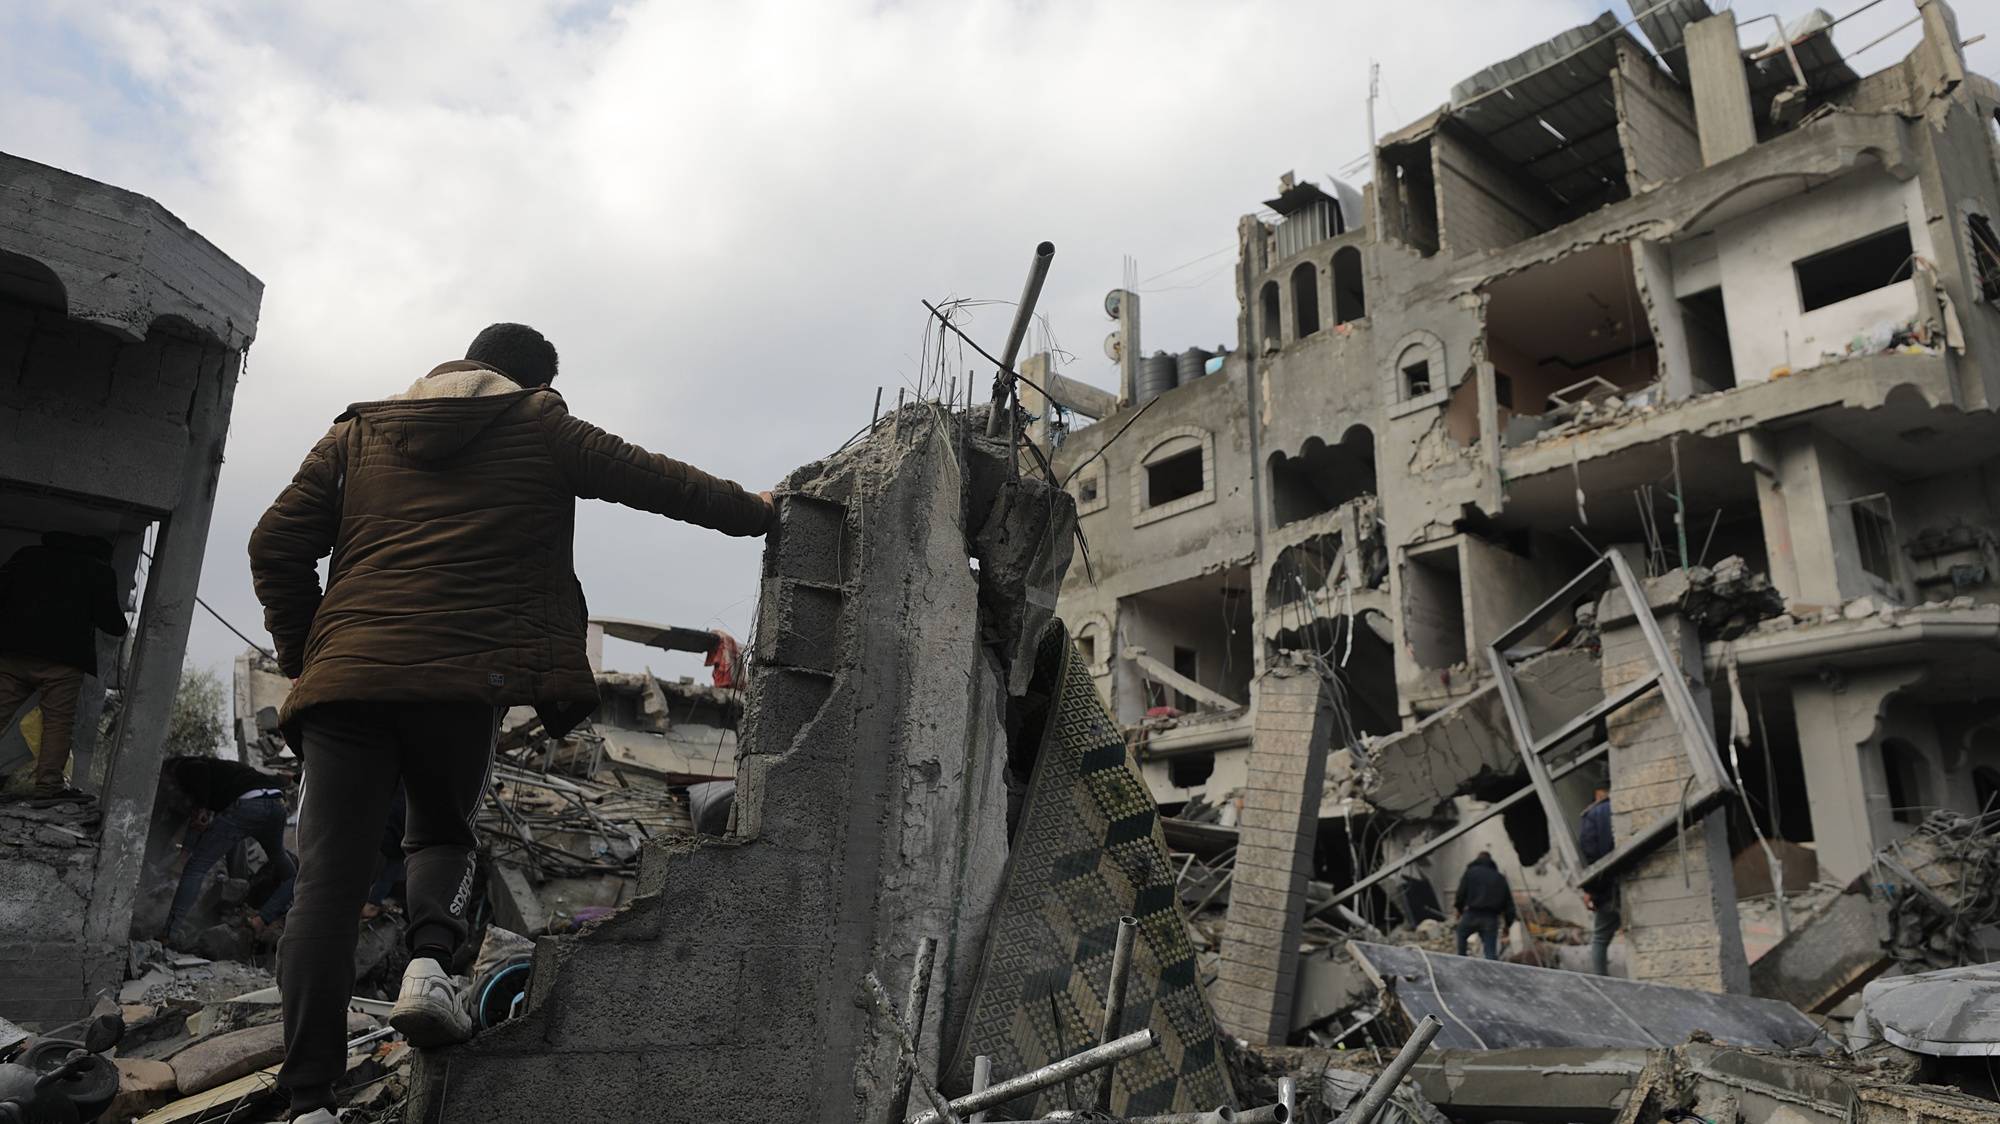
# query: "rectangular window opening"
x,y
1176,477
1086,490
1186,663
1434,608
1417,379
1707,331
1875,538
1861,266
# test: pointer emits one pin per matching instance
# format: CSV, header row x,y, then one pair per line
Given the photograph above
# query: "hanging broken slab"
x,y
1493,1005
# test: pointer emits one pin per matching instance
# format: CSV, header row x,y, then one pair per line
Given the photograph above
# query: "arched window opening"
x,y
1305,298
1349,300
1269,327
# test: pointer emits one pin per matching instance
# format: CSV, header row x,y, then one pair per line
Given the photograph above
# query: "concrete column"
x,y
1679,901
133,775
1274,854
1721,92
1837,723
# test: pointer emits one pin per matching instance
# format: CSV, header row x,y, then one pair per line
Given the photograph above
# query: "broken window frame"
x,y
1709,784
1985,255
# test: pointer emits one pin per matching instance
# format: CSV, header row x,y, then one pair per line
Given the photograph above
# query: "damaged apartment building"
x,y
1641,308
121,336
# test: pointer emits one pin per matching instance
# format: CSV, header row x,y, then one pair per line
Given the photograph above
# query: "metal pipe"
x,y
1076,1065
1024,314
913,1016
941,1109
1288,1095
1267,1114
982,1076
1221,1114
1378,1093
1114,1000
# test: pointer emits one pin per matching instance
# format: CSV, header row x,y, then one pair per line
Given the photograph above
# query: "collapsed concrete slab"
x,y
1698,1080
871,812
1490,1005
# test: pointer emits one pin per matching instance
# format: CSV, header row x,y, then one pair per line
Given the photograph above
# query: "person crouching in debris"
x,y
54,599
1594,842
1484,903
232,802
449,511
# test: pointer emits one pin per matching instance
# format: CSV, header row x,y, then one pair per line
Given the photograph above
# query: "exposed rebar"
x,y
913,1016
1378,1093
941,1109
1114,1000
1024,314
1076,1065
982,1076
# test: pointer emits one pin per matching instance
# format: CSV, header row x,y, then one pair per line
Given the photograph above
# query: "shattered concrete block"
x,y
224,1058
143,1085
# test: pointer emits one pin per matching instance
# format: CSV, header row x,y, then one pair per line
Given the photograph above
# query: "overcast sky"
x,y
723,214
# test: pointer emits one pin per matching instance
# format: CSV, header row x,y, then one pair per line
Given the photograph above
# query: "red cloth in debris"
x,y
724,657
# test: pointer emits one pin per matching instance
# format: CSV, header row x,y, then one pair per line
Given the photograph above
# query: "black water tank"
x,y
1156,376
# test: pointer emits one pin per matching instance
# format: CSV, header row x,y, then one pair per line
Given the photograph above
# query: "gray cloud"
x,y
723,214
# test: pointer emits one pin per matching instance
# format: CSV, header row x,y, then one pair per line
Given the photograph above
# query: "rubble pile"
x,y
1944,892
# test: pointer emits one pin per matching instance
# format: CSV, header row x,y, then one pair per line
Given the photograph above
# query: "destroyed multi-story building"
x,y
121,334
1640,291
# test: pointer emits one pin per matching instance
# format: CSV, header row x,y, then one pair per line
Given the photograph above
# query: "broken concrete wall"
x,y
871,812
1656,125
1679,902
1274,856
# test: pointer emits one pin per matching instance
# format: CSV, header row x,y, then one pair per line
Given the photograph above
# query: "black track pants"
x,y
355,754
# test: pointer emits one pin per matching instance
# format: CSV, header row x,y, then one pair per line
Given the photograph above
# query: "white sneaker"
x,y
428,1012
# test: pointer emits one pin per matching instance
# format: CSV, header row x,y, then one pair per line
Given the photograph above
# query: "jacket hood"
x,y
443,411
1486,862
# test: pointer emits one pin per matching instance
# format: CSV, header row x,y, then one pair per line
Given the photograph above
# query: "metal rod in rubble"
x,y
1378,1093
1288,1094
1221,1114
1076,1065
941,1109
1266,1114
1024,314
913,1013
982,1076
1114,999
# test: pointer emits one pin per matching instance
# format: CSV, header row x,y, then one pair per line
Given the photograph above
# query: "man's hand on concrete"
x,y
770,505
202,818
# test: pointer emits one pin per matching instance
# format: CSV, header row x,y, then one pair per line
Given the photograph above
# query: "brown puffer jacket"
x,y
449,512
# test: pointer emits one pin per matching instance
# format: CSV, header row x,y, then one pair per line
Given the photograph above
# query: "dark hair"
x,y
517,351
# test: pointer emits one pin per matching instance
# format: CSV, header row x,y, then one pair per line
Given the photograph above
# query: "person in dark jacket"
x,y
1484,903
232,802
1594,841
54,600
449,512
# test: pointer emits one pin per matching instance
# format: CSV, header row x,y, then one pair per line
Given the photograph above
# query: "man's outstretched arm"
x,y
600,465
287,545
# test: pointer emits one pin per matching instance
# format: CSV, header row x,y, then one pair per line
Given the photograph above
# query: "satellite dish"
x,y
1114,347
1113,301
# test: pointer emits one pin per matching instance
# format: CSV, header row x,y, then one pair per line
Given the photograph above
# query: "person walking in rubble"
x,y
54,600
449,513
1484,903
231,802
1593,842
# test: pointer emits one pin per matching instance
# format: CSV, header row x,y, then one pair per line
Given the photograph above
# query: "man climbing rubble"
x,y
449,512
1484,903
54,599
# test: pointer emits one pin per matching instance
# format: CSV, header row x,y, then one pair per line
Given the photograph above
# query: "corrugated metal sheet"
x,y
1557,121
1666,30
1316,223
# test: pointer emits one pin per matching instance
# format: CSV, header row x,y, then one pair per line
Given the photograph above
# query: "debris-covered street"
x,y
1538,671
